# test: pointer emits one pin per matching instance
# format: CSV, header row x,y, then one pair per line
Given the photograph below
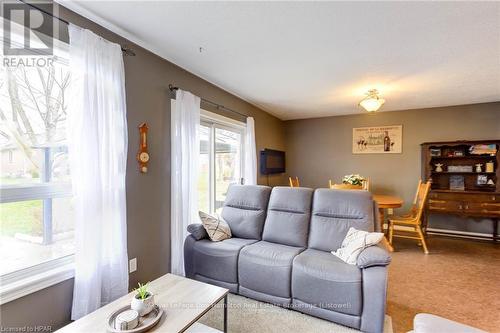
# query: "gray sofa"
x,y
280,253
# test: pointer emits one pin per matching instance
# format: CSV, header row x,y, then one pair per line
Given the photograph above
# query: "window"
x,y
36,213
220,161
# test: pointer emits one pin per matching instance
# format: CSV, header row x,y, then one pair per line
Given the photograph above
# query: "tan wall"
x,y
148,195
321,149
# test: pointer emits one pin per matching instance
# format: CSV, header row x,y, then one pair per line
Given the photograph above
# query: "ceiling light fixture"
x,y
372,102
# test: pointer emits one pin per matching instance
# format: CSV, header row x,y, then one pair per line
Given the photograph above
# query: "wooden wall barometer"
x,y
143,155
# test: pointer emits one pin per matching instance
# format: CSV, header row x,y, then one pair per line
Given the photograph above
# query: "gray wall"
x,y
321,149
148,195
50,306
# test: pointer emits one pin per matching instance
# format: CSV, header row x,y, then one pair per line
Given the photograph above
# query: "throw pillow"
x,y
217,229
354,242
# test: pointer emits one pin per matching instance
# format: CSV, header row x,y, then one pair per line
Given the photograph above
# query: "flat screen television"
x,y
272,161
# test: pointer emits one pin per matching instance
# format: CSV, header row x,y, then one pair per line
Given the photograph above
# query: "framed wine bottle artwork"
x,y
377,140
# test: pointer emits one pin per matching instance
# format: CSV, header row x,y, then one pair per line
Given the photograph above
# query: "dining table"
x,y
386,202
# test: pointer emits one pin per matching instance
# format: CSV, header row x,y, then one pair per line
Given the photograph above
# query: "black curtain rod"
x,y
173,88
126,51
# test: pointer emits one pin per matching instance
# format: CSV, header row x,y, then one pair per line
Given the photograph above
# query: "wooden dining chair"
x,y
366,184
413,218
413,209
294,182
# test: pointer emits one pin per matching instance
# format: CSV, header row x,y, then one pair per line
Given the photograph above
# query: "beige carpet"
x,y
248,315
458,280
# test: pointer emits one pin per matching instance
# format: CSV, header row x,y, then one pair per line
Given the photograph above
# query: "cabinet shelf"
x,y
462,172
461,179
475,191
479,189
463,157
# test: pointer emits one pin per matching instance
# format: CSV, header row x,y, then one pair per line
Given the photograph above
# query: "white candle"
x,y
127,320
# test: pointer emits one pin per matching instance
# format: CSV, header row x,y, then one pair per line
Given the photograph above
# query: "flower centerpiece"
x,y
143,301
354,180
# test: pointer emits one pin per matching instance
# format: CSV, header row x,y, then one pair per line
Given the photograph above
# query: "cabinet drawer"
x,y
483,198
472,204
469,197
444,205
482,207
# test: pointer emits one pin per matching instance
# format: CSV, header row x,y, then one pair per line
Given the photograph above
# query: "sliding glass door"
x,y
220,163
227,162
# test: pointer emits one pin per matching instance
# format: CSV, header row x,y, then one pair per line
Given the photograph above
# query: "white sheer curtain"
x,y
250,167
97,140
185,148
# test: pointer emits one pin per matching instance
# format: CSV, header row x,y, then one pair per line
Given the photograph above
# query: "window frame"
x,y
27,280
215,121
34,191
32,279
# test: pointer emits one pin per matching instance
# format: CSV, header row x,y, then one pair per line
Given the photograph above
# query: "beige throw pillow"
x,y
354,242
217,229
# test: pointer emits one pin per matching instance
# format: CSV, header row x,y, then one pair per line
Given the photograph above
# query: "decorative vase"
x,y
143,306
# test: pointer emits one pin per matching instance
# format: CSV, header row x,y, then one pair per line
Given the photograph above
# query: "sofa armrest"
x,y
373,256
197,230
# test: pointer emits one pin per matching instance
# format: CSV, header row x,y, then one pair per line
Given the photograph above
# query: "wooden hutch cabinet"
x,y
465,179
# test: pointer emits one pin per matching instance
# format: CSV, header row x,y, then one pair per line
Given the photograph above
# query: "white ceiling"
x,y
313,59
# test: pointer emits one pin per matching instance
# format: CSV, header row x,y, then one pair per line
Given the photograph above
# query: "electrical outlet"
x,y
132,265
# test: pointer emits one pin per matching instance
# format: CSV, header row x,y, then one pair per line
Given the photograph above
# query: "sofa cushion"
x,y
334,212
245,210
323,280
266,268
288,215
218,260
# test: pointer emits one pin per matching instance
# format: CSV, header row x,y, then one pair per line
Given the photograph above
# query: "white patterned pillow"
x,y
354,242
217,229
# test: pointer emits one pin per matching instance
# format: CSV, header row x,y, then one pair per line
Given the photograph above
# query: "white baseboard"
x,y
461,234
447,232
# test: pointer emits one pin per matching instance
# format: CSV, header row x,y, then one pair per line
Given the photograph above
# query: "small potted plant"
x,y
143,301
353,181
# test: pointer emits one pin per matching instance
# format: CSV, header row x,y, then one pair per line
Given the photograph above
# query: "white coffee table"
x,y
184,301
